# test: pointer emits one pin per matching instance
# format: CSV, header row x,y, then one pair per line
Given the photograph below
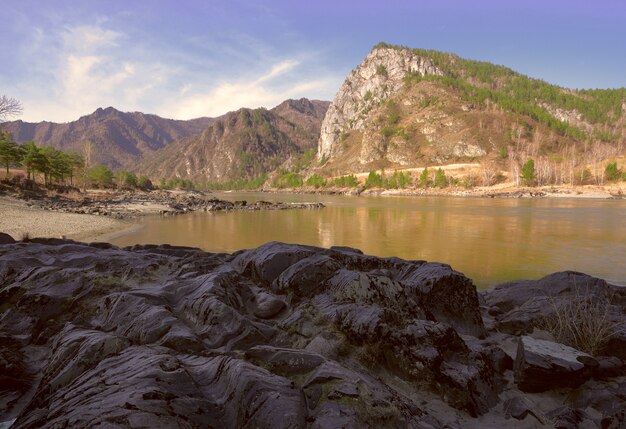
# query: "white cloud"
x,y
89,37
252,92
75,70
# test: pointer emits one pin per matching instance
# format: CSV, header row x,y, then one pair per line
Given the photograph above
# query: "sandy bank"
x,y
18,219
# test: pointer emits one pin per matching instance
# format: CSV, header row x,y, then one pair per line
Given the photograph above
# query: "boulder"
x,y
543,365
447,294
6,239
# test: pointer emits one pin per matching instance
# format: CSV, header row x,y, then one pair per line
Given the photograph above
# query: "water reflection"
x,y
489,240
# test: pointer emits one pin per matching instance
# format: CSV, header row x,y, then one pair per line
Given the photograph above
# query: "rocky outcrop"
x,y
123,205
520,306
281,336
378,77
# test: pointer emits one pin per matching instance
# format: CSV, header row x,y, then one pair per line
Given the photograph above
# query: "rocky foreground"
x,y
290,336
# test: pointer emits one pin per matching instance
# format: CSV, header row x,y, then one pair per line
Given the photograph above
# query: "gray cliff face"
x,y
378,77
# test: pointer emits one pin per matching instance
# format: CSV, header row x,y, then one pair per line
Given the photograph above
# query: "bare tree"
x,y
87,152
490,172
9,107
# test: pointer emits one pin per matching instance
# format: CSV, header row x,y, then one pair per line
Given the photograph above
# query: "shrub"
x,y
394,117
101,176
399,180
381,70
440,179
423,181
582,323
316,181
528,173
144,183
346,181
503,152
374,180
611,171
289,180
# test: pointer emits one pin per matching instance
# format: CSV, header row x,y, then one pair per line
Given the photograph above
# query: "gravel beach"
x,y
17,219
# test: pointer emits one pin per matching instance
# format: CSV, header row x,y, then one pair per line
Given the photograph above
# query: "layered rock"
x,y
281,336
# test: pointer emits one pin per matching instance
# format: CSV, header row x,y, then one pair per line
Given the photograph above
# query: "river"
x,y
489,240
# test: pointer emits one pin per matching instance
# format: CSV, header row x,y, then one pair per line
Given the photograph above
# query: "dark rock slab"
x,y
543,365
447,294
279,336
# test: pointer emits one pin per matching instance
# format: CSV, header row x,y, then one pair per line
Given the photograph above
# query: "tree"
x,y
101,176
32,159
528,173
374,180
440,179
87,150
9,107
126,179
144,183
424,178
9,151
77,163
611,171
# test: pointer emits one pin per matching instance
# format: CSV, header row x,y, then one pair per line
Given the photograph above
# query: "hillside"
x,y
118,139
243,144
411,107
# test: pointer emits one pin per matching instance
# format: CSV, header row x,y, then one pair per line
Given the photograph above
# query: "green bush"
x,y
503,152
528,173
346,181
374,180
423,181
126,179
316,181
381,70
612,172
399,180
289,180
441,180
100,176
144,183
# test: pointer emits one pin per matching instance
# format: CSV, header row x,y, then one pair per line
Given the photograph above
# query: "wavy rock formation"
x,y
281,336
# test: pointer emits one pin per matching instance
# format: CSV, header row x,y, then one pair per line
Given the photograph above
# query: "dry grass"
x,y
583,322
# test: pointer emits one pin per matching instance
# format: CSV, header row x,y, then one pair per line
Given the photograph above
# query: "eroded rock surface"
x,y
281,336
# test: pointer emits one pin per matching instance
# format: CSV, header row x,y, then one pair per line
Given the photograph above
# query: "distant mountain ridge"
x,y
119,139
243,144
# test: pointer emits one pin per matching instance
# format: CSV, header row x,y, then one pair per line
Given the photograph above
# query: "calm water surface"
x,y
490,240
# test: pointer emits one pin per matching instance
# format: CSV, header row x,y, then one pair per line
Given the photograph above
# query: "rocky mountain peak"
x,y
379,76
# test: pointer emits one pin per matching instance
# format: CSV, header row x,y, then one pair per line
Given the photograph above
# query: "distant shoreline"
x,y
607,192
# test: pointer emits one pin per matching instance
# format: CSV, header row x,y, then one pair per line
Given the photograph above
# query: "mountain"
x,y
414,107
118,139
243,144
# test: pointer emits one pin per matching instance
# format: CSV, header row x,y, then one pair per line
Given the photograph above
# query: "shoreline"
x,y
504,190
17,219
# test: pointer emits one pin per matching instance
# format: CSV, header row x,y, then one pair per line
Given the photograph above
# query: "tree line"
x,y
58,167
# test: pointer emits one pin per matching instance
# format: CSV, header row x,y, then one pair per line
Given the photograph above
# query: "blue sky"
x,y
184,59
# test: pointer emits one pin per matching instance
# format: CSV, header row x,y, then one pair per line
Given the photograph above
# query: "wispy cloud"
x,y
74,69
255,91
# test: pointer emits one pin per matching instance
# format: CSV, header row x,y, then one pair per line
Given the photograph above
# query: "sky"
x,y
182,59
